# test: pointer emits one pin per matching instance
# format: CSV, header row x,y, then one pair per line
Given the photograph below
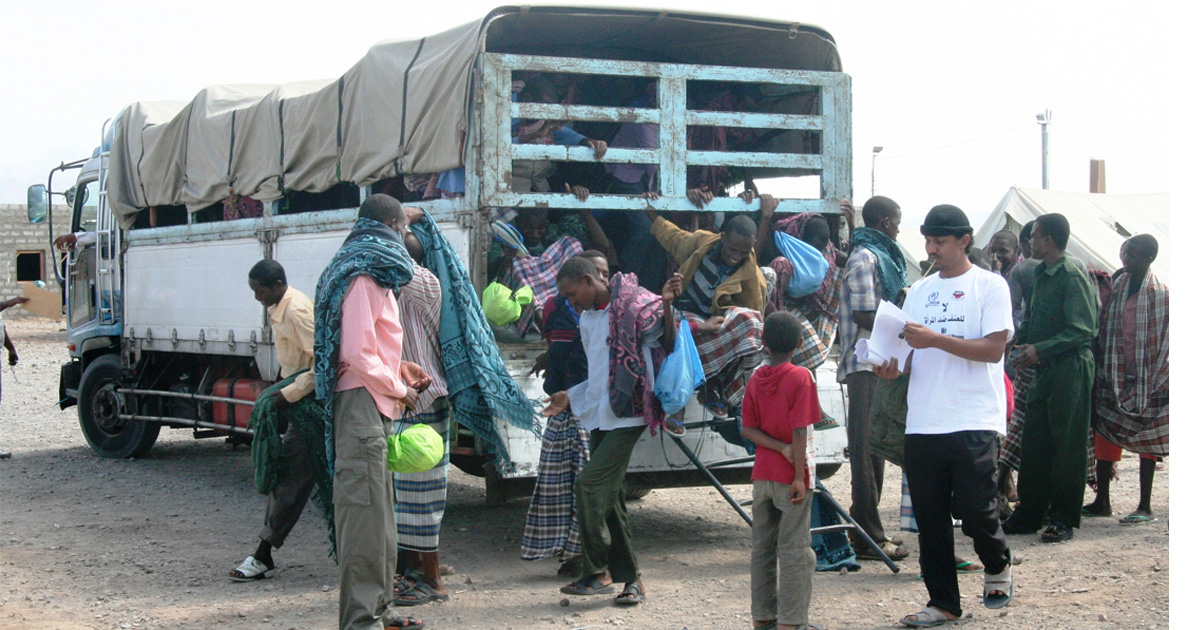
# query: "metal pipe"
x,y
711,479
186,422
190,396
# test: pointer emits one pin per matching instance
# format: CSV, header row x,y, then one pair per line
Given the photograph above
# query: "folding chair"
x,y
821,492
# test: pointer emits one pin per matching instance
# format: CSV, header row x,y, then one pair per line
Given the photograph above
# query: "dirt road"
x,y
87,542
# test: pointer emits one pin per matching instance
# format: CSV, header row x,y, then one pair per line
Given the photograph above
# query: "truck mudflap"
x,y
68,384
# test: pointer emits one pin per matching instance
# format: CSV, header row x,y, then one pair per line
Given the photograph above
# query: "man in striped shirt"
x,y
421,497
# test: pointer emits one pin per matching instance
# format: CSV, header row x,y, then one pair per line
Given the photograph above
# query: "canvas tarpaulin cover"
x,y
404,107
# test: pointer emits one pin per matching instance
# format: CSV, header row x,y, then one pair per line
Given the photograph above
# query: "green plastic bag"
x,y
417,449
502,306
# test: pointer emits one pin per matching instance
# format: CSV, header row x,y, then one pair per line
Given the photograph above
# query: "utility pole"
x,y
1043,119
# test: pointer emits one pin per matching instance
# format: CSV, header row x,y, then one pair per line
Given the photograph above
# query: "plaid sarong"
x,y
1010,453
731,354
551,525
1132,410
421,497
540,274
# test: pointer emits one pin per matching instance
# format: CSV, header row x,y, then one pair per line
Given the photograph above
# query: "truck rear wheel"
x,y
99,407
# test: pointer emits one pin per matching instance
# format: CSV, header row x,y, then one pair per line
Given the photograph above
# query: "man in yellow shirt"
x,y
290,313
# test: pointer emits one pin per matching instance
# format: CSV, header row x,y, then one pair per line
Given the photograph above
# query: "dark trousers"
x,y
604,528
288,498
953,475
866,470
1054,445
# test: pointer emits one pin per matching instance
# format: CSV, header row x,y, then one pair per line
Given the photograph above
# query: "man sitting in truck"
x,y
302,448
724,293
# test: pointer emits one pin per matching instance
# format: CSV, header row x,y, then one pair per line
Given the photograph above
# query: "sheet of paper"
x,y
42,302
887,338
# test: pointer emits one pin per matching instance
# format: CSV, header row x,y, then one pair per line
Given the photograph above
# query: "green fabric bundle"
x,y
307,418
417,449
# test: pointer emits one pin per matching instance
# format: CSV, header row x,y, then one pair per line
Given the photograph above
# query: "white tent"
x,y
1099,222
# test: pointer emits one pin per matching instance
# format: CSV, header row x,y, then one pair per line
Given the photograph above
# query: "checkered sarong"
x,y
1010,453
540,273
551,525
421,497
731,354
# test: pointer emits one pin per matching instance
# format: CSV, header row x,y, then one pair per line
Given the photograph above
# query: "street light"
x,y
874,154
1043,119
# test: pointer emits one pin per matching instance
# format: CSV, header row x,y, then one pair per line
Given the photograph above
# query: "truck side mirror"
x,y
39,203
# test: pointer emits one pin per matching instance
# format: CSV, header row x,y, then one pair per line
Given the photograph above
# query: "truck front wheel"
x,y
100,406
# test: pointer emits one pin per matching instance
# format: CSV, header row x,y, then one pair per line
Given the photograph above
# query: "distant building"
x,y
25,253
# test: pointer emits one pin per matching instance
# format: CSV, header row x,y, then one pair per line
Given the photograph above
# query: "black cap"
x,y
946,220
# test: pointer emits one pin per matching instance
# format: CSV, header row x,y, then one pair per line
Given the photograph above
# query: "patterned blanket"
x,y
636,318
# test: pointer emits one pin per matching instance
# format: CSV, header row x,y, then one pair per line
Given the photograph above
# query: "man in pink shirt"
x,y
363,381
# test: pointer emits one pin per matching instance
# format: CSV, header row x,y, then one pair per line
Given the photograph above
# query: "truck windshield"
x,y
88,204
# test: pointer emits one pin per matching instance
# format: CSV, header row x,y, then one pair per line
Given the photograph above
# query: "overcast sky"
x,y
948,90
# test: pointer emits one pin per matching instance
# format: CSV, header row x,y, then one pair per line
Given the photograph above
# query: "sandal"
x,y
420,594
632,595
588,585
826,423
405,623
405,582
929,617
890,549
1057,532
1003,583
251,570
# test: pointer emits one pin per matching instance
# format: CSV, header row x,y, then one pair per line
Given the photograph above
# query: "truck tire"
x,y
99,405
825,471
635,493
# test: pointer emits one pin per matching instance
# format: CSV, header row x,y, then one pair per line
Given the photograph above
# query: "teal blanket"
x,y
481,389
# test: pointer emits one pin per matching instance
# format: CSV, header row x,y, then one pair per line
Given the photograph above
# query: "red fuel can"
x,y
242,389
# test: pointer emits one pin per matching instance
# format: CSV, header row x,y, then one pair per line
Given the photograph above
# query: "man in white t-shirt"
x,y
956,410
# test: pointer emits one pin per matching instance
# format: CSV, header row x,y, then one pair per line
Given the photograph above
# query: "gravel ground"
x,y
87,542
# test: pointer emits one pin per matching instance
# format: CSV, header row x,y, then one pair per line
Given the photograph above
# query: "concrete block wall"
x,y
17,235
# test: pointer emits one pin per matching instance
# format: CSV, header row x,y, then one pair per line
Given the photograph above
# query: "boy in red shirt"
x,y
778,412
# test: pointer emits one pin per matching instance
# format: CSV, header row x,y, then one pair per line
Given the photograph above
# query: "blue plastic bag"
x,y
681,372
809,264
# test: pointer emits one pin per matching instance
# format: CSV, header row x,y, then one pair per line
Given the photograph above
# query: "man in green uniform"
x,y
1056,339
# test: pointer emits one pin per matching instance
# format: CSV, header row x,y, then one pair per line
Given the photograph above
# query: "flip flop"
x,y
1089,513
588,585
1137,518
1003,582
251,570
966,566
632,595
